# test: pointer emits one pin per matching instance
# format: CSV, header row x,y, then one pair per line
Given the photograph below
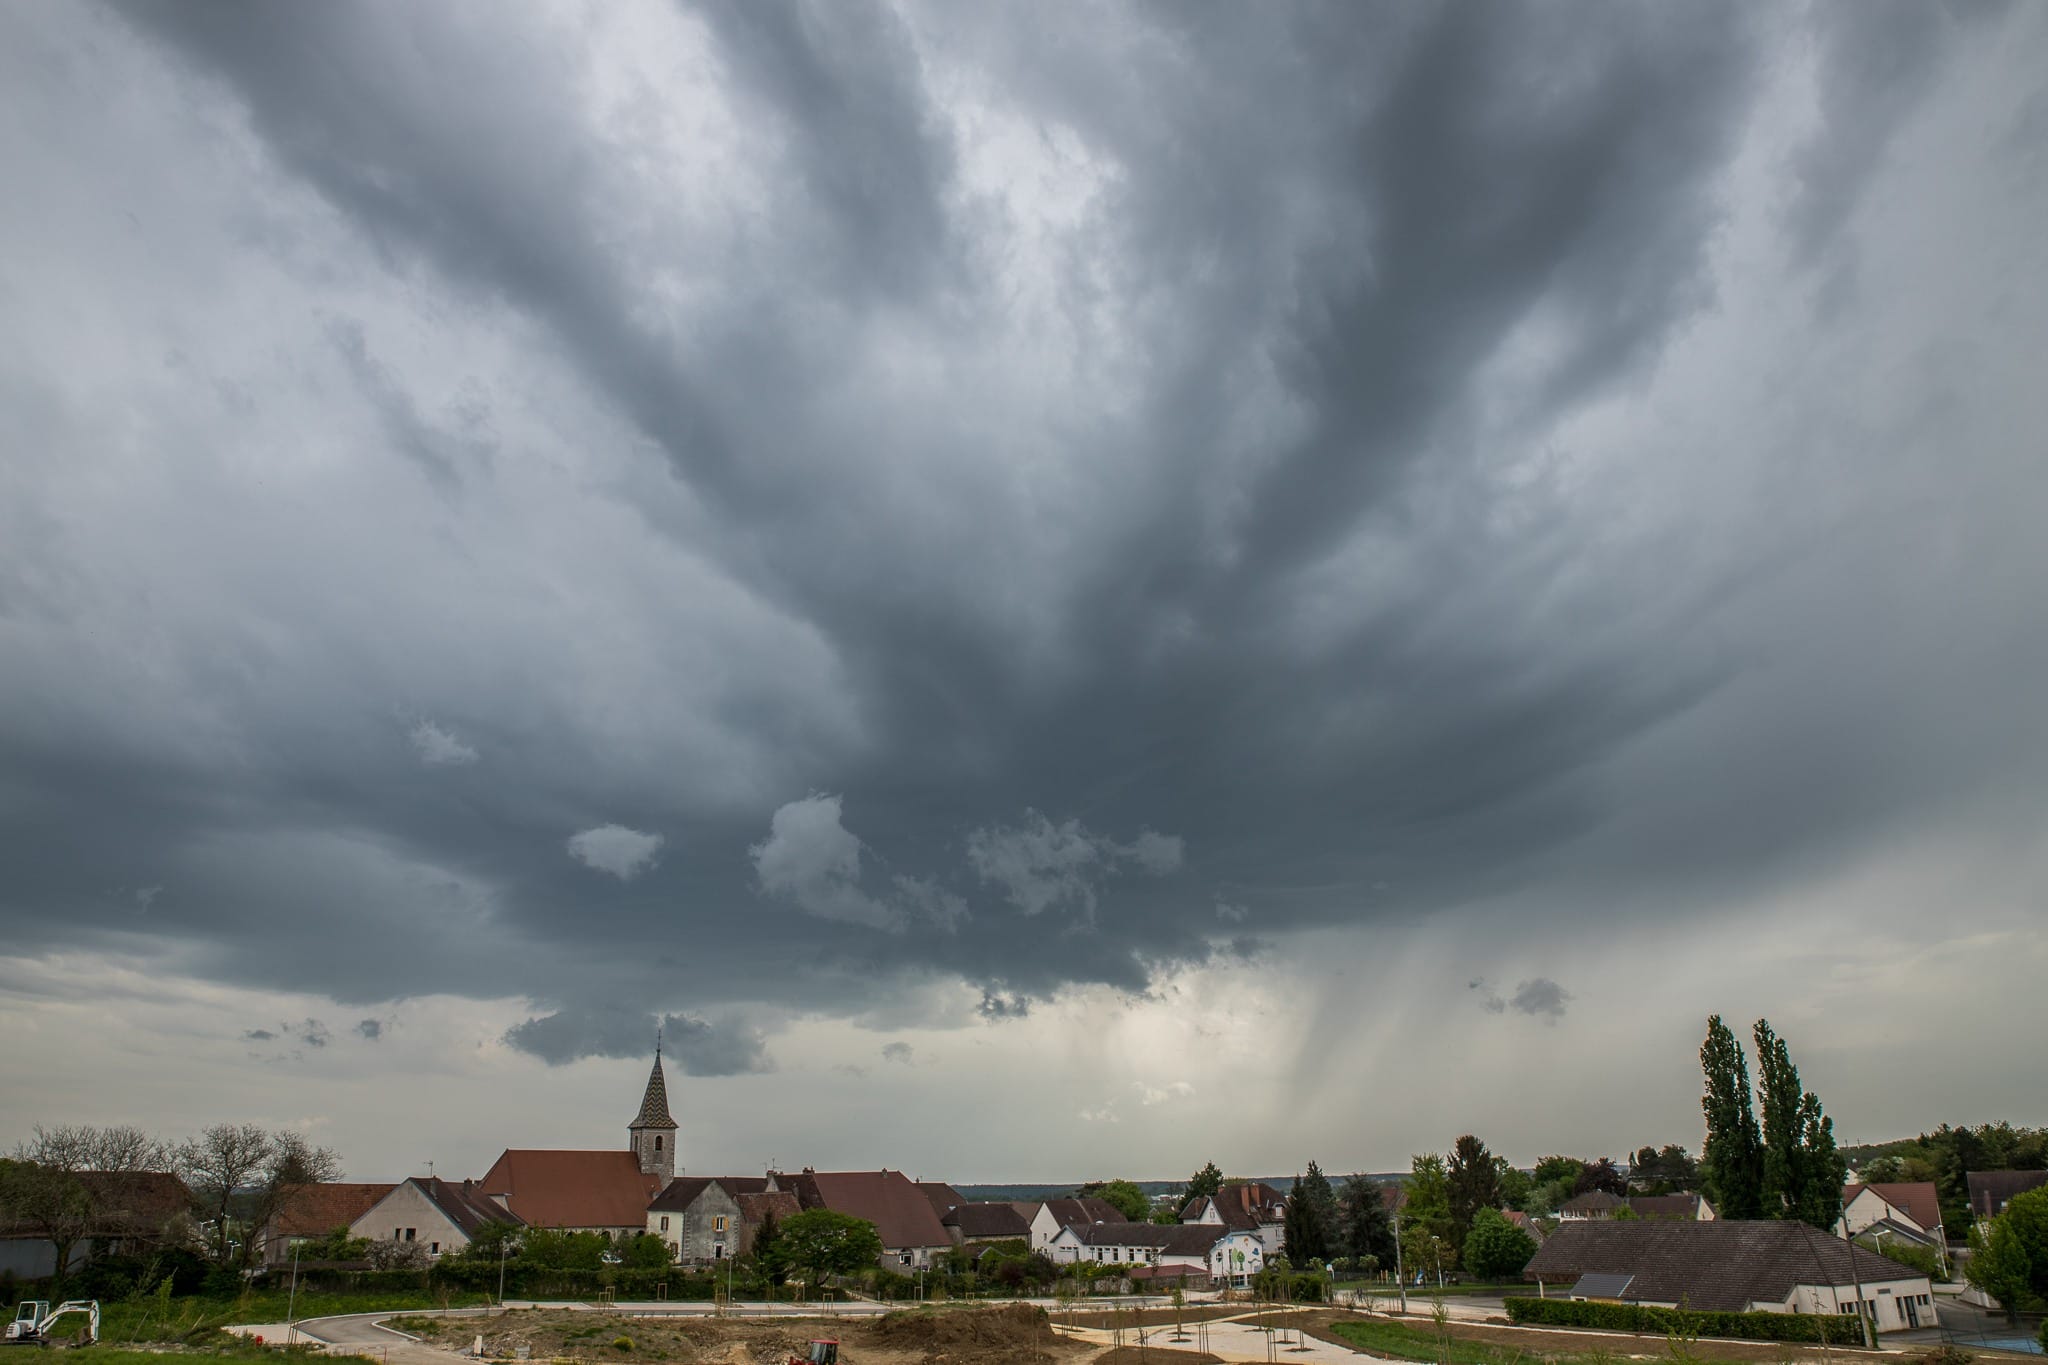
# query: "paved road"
x,y
359,1334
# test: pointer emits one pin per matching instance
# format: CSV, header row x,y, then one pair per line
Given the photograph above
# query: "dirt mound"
x,y
1015,1334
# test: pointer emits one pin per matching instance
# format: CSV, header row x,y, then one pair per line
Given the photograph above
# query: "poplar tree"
x,y
1731,1163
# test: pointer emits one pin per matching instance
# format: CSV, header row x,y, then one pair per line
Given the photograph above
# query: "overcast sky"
x,y
1062,591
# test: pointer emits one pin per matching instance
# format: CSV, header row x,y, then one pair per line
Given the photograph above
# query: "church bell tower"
x,y
653,1133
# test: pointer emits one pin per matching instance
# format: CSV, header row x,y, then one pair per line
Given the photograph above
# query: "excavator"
x,y
34,1319
821,1353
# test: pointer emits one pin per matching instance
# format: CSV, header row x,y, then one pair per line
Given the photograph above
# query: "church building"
x,y
605,1192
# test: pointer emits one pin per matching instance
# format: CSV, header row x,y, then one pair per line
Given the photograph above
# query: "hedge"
x,y
1630,1317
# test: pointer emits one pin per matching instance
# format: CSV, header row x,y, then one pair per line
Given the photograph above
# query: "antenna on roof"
x,y
430,1170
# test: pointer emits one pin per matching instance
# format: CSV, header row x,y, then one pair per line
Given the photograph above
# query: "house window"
x,y
664,1222
718,1224
433,1248
657,1143
410,1233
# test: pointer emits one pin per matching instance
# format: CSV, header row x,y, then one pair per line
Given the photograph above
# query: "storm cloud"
x,y
732,513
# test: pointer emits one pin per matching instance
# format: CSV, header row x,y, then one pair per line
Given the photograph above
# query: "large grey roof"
x,y
1716,1266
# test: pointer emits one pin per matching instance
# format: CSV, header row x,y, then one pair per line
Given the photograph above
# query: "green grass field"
x,y
196,1322
1402,1342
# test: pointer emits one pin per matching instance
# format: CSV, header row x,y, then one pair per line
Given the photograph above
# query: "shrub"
x,y
622,1343
1629,1317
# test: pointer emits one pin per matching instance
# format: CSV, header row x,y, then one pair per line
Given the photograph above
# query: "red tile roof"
x,y
553,1189
901,1213
942,1195
1914,1198
316,1210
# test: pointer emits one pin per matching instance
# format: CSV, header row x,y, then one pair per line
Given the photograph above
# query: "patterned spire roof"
x,y
654,1104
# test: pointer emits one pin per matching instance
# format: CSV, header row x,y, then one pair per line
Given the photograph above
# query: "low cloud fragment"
x,y
259,1035
622,852
438,748
900,1053
700,1047
1539,997
1040,865
372,1029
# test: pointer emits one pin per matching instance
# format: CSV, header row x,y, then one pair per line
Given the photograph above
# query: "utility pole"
x,y
291,1318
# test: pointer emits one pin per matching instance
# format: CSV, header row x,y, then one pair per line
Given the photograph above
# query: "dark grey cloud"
x,y
699,1047
943,495
259,1035
372,1029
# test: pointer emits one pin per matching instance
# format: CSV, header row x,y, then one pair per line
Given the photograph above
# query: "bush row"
x,y
1630,1317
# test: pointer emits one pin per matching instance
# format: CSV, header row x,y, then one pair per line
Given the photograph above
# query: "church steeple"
x,y
652,1134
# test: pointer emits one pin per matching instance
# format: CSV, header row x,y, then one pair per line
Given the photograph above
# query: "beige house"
x,y
439,1216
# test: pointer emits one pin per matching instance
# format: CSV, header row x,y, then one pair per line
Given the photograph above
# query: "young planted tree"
x,y
1731,1162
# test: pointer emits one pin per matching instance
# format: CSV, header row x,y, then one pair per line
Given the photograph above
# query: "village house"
x,y
980,1224
1991,1191
309,1213
439,1216
1125,1243
708,1218
1681,1207
1590,1205
1726,1266
1900,1211
903,1216
1046,1217
127,1211
1244,1206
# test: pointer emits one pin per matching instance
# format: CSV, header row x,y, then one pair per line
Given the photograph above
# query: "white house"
x,y
1048,1216
1731,1266
1186,1245
1235,1257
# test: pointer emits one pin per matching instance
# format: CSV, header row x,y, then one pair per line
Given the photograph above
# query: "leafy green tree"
x,y
1311,1217
1121,1195
1364,1227
646,1252
1731,1162
1668,1171
1515,1184
1554,1168
1426,1224
820,1242
2028,1215
1999,1265
337,1245
767,1248
1496,1249
1802,1171
1601,1175
1473,1183
1206,1181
